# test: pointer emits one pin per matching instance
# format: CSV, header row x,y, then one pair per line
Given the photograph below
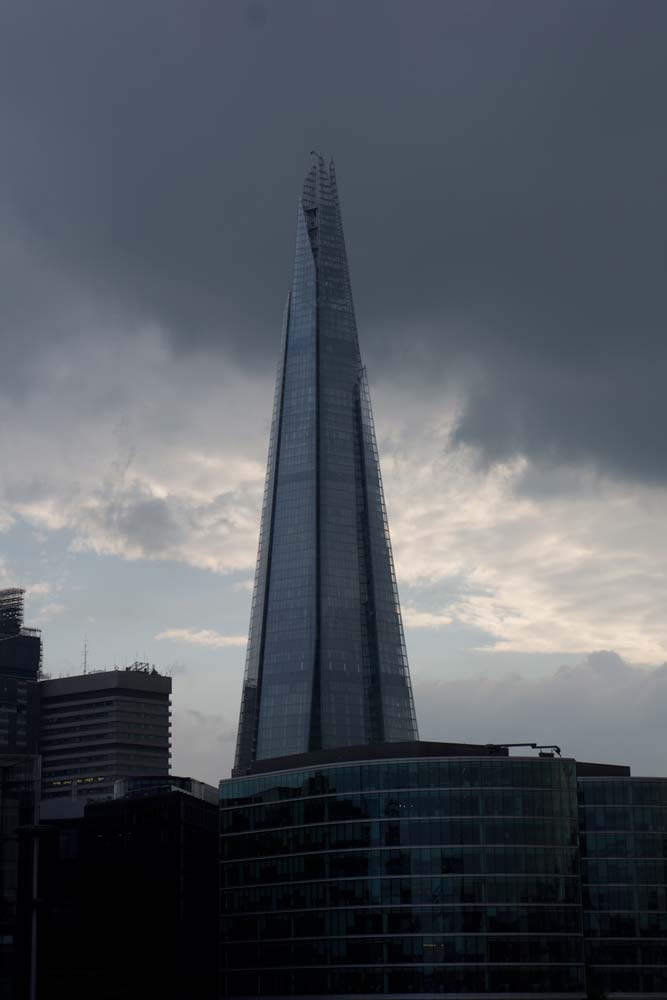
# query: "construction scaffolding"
x,y
11,610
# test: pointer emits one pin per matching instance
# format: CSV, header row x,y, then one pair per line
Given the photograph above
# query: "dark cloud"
x,y
502,173
144,522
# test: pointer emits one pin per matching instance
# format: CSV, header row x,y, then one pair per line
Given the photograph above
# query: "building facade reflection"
x,y
439,875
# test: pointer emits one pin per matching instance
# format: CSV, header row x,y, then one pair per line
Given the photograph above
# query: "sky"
x,y
501,170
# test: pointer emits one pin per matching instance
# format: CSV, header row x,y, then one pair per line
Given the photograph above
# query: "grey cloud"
x,y
136,523
27,491
176,668
196,734
601,710
502,175
144,522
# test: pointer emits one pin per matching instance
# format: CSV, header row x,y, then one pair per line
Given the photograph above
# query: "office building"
x,y
97,728
442,870
326,663
20,663
128,896
623,838
424,869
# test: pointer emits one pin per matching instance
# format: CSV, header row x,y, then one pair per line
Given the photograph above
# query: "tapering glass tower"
x,y
326,663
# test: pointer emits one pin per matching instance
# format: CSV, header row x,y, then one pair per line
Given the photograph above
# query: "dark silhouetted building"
x,y
19,795
98,727
154,784
128,896
326,663
20,663
623,837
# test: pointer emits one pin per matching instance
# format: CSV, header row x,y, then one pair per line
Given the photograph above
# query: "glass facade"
x,y
326,663
623,831
393,877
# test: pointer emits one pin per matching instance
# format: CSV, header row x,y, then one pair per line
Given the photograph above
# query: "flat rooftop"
x,y
375,751
413,749
104,680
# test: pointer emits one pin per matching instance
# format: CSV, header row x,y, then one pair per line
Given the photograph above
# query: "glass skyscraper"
x,y
326,663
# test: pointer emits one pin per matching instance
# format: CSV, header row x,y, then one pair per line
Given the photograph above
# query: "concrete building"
x,y
97,728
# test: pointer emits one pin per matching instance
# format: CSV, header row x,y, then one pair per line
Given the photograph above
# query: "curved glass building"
x,y
427,875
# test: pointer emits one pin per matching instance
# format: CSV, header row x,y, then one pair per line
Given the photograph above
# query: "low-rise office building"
x,y
442,869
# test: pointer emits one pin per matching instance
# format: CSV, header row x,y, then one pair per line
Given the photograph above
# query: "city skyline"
x,y
502,176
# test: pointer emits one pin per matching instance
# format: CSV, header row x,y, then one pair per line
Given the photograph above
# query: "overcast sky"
x,y
502,169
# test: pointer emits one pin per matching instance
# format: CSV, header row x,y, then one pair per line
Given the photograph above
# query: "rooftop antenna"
x,y
85,654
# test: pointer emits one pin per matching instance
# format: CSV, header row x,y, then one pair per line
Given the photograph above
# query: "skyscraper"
x,y
326,663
